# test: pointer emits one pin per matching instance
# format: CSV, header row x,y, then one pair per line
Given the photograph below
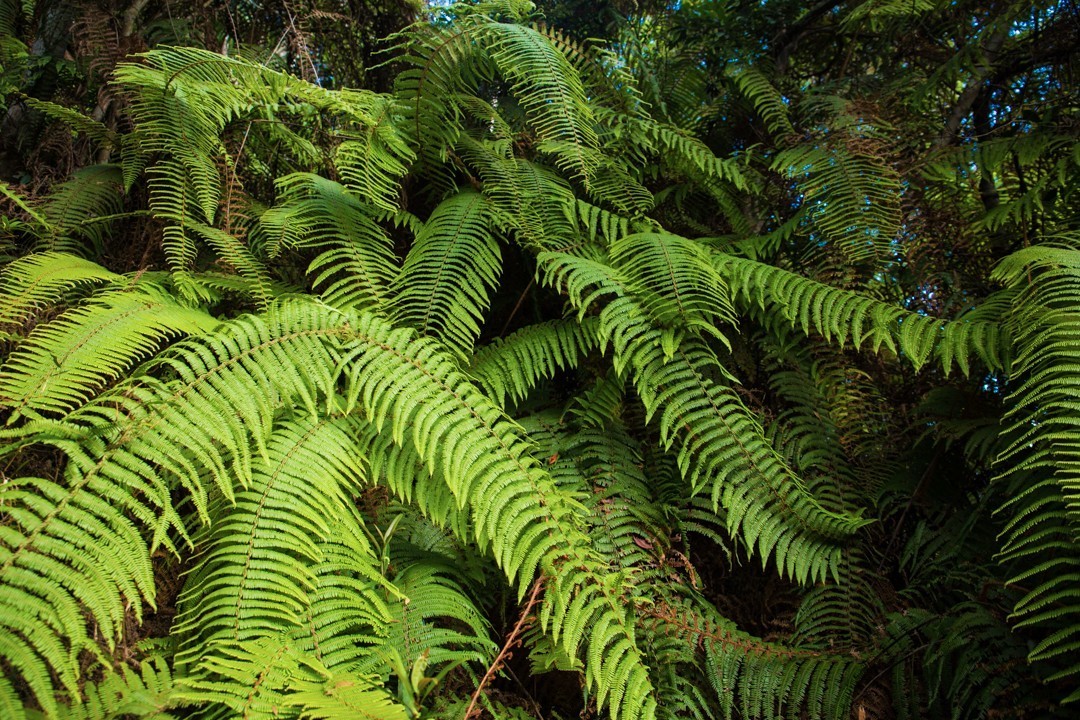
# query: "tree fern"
x,y
538,349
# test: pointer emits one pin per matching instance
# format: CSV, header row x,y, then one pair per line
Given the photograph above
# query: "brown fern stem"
x,y
512,641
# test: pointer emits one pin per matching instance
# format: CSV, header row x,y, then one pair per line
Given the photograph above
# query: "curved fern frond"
x,y
258,574
550,90
82,207
432,621
532,201
853,196
271,678
76,120
519,516
32,282
675,279
1043,446
767,100
373,158
65,551
508,369
63,362
757,679
444,286
844,316
146,694
356,267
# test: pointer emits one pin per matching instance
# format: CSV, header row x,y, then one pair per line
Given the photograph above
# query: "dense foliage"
x,y
670,360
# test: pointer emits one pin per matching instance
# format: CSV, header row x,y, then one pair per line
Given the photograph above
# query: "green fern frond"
x,y
444,286
82,207
599,225
439,62
356,267
550,90
753,678
766,99
508,369
1042,446
675,279
66,552
844,316
533,202
720,443
270,678
342,697
374,157
35,281
853,196
431,620
519,517
65,361
76,120
239,256
145,693
258,574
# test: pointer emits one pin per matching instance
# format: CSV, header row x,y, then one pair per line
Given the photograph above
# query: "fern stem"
x,y
512,640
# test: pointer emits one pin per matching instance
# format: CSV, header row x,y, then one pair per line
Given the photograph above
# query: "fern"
x,y
356,266
268,678
346,493
508,369
854,197
1041,445
36,280
712,427
62,363
145,693
443,286
851,317
258,574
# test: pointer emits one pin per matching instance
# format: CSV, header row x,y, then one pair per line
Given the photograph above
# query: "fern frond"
x,y
844,316
82,207
268,678
550,90
444,286
1042,446
239,256
675,279
519,516
37,280
767,100
720,442
853,196
356,267
433,621
508,369
66,551
63,362
753,678
145,693
76,120
258,573
373,158
532,201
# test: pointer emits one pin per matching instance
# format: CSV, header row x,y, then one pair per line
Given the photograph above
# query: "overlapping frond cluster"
x,y
315,405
